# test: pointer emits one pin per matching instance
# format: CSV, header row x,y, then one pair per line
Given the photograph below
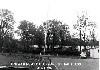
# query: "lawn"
x,y
61,63
76,64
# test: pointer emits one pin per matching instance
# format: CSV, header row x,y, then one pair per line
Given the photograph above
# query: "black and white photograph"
x,y
49,34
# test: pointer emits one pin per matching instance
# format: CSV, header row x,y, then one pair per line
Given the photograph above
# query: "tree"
x,y
56,32
30,34
6,25
10,44
83,25
27,33
40,36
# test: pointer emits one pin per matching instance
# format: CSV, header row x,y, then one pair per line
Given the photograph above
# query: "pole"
x,y
45,39
46,33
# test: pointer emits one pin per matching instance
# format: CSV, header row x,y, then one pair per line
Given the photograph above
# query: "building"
x,y
94,52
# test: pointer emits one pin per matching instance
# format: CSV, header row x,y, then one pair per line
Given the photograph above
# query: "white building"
x,y
94,52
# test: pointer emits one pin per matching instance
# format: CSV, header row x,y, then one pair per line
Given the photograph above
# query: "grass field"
x,y
61,63
76,64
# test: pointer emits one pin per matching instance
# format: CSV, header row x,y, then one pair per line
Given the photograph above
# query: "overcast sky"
x,y
38,11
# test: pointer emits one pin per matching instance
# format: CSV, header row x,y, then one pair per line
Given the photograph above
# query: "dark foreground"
x,y
56,62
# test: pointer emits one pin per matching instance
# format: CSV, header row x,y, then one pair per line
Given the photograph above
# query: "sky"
x,y
39,11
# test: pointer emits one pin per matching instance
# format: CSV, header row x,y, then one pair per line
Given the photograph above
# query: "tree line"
x,y
52,33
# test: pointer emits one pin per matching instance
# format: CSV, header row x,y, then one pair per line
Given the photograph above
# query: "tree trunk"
x,y
80,41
